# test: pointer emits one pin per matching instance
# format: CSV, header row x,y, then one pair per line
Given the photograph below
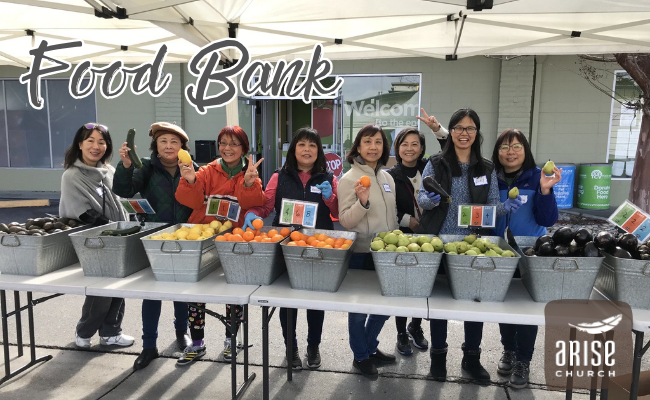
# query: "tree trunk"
x,y
638,66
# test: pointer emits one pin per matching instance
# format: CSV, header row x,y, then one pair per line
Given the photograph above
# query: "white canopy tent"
x,y
132,30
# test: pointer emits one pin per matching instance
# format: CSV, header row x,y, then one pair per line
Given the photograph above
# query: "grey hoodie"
x,y
81,188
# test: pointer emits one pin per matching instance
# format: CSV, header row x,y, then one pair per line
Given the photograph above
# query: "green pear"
x,y
377,238
413,247
450,248
470,239
423,239
513,193
437,244
462,248
377,245
427,248
507,253
402,249
403,240
471,253
548,167
390,238
382,234
391,247
398,232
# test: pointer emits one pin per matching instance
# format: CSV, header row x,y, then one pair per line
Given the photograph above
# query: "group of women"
x,y
395,198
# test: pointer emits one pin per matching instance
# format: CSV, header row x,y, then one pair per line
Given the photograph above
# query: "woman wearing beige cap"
x,y
157,181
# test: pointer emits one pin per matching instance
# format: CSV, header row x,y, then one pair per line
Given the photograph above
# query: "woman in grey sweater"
x,y
86,195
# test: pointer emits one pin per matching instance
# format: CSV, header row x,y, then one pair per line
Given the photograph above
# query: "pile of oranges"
x,y
254,235
319,240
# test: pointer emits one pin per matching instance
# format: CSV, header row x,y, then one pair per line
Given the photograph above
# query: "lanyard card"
x,y
224,207
139,206
633,220
481,216
296,212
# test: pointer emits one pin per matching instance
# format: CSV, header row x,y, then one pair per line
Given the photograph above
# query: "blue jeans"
x,y
151,316
473,334
520,339
363,334
314,326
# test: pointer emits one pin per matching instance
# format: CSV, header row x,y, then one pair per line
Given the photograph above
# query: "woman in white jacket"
x,y
367,210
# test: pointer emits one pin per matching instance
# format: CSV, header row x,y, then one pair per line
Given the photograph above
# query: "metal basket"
x,y
556,278
625,280
181,260
113,256
251,263
318,269
479,278
37,255
406,274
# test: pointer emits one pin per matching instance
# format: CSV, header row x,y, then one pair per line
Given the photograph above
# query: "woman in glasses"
x,y
469,179
230,175
515,167
157,181
86,195
304,176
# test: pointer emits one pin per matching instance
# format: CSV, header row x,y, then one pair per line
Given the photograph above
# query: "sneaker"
x,y
382,357
81,342
313,357
191,353
404,344
227,352
119,340
506,362
367,367
520,374
418,337
296,362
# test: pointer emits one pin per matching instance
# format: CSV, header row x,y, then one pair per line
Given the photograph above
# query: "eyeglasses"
x,y
94,125
231,144
459,129
515,147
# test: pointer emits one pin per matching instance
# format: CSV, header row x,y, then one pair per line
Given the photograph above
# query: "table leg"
x,y
639,351
569,379
5,332
604,384
233,350
247,378
289,346
19,323
265,352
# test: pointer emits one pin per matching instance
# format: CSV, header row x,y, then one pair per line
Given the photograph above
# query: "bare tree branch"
x,y
599,58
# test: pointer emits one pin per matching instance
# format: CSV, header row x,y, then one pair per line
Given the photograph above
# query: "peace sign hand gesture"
x,y
431,121
251,173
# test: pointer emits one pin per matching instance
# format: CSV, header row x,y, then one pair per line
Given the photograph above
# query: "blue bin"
x,y
564,189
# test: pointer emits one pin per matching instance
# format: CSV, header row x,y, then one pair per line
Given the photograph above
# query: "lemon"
x,y
185,228
193,236
215,225
157,237
201,238
182,234
227,224
208,232
196,229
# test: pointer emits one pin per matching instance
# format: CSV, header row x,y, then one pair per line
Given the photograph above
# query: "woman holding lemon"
x,y
366,179
304,176
157,181
230,175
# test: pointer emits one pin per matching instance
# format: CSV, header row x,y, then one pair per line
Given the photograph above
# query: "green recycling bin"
x,y
594,185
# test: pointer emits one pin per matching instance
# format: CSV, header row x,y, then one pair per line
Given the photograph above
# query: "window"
x,y
33,138
625,126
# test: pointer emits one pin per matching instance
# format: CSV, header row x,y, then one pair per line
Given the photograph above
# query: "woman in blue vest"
x,y
469,179
304,176
515,167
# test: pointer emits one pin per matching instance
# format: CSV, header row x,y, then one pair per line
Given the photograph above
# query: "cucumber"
x,y
121,232
130,139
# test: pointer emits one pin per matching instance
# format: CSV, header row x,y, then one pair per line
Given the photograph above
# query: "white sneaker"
x,y
119,340
81,342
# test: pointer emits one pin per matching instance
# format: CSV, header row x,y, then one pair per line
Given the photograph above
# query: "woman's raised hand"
x,y
431,121
124,156
363,192
187,172
251,173
547,182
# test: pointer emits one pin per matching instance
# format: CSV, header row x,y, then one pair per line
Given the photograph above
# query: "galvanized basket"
x,y
556,278
37,255
317,269
406,274
180,260
251,263
479,278
113,256
625,280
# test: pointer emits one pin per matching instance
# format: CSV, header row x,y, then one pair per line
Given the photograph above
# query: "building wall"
x,y
569,118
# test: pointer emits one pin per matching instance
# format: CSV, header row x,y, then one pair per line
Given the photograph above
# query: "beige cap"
x,y
159,128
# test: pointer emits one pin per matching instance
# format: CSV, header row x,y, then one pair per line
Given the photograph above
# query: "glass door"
x,y
246,113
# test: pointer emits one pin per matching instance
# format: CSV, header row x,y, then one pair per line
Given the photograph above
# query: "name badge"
x,y
386,188
524,198
100,191
314,189
480,181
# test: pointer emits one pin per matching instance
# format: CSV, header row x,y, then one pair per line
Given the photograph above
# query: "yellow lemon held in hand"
x,y
185,157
